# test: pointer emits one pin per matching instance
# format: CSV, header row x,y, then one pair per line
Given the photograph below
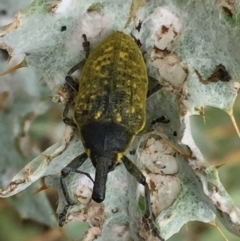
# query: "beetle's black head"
x,y
105,142
103,166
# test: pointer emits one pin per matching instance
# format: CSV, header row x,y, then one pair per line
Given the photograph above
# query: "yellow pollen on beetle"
x,y
118,117
122,54
108,49
98,114
119,156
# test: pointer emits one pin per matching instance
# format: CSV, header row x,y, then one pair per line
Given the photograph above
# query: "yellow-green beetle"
x,y
109,111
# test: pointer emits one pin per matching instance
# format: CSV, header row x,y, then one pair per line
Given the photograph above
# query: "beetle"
x,y
109,111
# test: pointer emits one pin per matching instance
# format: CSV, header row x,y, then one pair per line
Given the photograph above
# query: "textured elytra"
x,y
113,84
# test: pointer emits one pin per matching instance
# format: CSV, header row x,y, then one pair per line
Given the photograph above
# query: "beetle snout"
x,y
97,197
99,188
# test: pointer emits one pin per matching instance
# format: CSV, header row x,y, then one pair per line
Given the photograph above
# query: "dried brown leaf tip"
x,y
228,6
10,27
4,97
219,74
14,68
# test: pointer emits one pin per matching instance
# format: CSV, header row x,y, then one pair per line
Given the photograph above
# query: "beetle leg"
x,y
72,82
68,121
86,45
76,67
153,86
86,48
137,41
135,172
71,167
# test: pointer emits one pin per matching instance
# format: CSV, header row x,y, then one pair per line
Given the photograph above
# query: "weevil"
x,y
109,111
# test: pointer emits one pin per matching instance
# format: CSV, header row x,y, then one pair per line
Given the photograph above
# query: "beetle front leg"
x,y
76,67
69,79
72,83
135,172
68,121
71,167
86,45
